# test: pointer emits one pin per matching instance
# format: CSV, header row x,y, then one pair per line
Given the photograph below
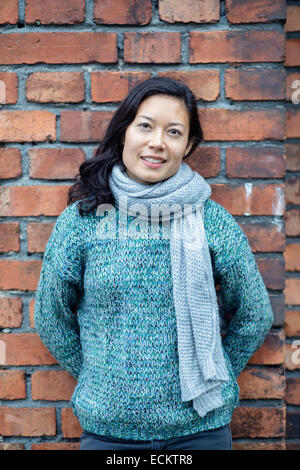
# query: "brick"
x,y
31,313
292,395
10,312
292,323
56,446
293,122
292,156
271,351
292,291
55,87
36,200
84,126
255,162
293,87
259,199
292,445
254,84
264,236
19,275
58,163
272,271
54,11
38,235
258,383
8,88
292,23
27,126
292,190
205,160
52,385
49,48
123,12
27,421
9,11
292,355
174,11
293,423
236,46
10,163
292,257
259,445
278,307
255,11
10,446
292,58
69,424
19,349
146,48
292,222
255,124
12,384
205,84
9,237
114,86
258,422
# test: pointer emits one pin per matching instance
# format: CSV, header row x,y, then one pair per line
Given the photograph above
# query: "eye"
x,y
143,124
176,130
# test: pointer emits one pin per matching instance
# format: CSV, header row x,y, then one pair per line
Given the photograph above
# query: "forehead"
x,y
162,107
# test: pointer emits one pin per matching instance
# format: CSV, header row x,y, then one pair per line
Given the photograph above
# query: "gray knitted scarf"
x,y
202,367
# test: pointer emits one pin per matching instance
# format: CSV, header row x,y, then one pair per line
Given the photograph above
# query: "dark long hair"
x,y
91,183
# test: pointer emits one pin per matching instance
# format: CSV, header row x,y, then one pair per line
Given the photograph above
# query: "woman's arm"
x,y
58,291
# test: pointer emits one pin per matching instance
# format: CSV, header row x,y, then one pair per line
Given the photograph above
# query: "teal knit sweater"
x,y
105,311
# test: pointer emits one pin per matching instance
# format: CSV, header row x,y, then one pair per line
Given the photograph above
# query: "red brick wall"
x,y
64,67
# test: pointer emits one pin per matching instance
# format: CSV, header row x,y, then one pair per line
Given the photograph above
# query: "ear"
x,y
189,146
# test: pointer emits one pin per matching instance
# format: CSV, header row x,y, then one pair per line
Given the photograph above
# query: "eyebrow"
x,y
169,124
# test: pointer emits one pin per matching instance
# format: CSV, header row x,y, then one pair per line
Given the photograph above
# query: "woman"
x,y
126,300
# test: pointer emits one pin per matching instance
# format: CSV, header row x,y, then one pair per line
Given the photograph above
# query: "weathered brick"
x,y
205,84
10,312
38,235
256,124
258,383
58,163
9,237
292,395
292,222
259,445
9,11
292,190
254,84
264,236
84,126
272,271
69,423
19,349
255,11
52,385
259,199
11,446
56,87
50,48
123,12
278,307
205,160
54,11
8,87
27,421
31,313
292,156
292,323
27,126
292,23
293,423
258,422
292,291
236,46
20,275
292,355
147,48
55,446
255,162
173,11
292,57
113,86
36,200
271,351
293,122
293,87
10,163
292,257
12,384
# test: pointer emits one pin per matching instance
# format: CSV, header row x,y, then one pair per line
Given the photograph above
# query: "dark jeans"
x,y
214,439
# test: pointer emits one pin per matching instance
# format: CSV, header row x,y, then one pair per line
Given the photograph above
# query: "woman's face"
x,y
157,140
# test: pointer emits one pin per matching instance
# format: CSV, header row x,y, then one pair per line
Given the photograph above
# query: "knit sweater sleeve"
x,y
243,293
58,291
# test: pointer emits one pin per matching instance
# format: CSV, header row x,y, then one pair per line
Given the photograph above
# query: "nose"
x,y
156,140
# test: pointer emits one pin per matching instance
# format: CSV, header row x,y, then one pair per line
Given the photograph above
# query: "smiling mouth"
x,y
153,160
